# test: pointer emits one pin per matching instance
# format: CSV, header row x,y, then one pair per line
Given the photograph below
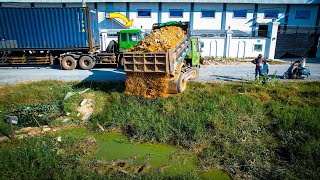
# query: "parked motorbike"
x,y
300,74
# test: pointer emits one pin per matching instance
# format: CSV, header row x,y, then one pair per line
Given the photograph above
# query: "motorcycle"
x,y
300,74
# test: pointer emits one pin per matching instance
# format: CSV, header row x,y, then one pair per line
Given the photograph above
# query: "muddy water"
x,y
117,152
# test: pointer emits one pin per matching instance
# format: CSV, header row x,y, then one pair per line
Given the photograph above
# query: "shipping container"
x,y
48,29
66,36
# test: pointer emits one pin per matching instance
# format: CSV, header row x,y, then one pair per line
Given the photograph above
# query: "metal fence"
x,y
285,29
295,41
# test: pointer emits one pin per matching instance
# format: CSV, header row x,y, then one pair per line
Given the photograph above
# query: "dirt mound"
x,y
153,85
150,85
160,40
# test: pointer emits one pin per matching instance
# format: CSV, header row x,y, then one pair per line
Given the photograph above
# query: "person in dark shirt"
x,y
301,63
259,65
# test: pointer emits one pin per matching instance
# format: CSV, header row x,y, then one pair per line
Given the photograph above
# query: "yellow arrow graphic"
x,y
121,16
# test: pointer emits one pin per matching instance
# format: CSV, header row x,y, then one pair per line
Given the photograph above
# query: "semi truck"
x,y
69,36
180,62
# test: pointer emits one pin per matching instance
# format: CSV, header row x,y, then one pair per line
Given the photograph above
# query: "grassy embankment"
x,y
245,129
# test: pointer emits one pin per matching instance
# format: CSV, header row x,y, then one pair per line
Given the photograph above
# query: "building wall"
x,y
104,9
305,22
47,4
207,23
73,5
213,47
239,47
145,22
186,7
119,7
244,24
261,10
244,47
15,4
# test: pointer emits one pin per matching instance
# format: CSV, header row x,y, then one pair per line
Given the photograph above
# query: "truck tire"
x,y
120,62
86,63
68,63
196,73
182,83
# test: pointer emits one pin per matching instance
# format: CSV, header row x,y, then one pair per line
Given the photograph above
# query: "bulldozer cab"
x,y
128,38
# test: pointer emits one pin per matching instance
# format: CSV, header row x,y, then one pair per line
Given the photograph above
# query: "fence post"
x,y
227,43
272,39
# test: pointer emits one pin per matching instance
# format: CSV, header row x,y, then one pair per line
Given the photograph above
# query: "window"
x,y
263,30
133,37
240,13
207,14
257,47
303,14
196,46
271,14
176,13
144,13
123,37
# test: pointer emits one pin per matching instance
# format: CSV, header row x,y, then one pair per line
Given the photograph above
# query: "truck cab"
x,y
128,38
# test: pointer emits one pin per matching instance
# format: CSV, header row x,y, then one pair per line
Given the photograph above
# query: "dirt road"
x,y
221,72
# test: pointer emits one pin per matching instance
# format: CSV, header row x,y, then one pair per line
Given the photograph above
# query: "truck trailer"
x,y
69,36
181,62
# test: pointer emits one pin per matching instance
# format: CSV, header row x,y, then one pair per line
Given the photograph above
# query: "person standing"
x,y
265,72
258,63
265,68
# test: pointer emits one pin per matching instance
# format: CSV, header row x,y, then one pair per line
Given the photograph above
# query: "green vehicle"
x,y
111,56
181,62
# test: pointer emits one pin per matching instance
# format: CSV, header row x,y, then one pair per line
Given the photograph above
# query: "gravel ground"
x,y
9,75
235,72
245,71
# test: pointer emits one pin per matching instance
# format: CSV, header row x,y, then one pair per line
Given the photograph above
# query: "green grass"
x,y
245,129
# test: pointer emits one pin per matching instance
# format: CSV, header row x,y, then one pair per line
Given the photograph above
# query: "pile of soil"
x,y
160,40
150,85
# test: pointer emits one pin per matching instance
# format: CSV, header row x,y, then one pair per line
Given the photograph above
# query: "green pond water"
x,y
157,157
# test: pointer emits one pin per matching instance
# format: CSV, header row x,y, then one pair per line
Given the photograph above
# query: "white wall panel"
x,y
244,24
213,47
145,22
186,7
207,23
239,44
261,10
